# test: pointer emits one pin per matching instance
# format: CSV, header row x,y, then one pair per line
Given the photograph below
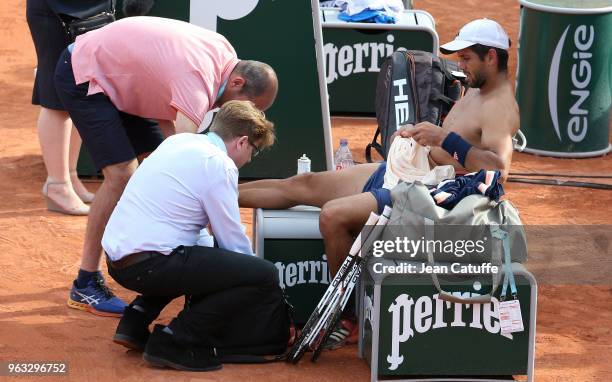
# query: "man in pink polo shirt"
x,y
119,83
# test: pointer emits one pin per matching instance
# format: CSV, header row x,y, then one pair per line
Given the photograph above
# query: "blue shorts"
x,y
374,185
110,135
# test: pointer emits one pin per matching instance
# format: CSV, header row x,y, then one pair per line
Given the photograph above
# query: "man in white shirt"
x,y
150,241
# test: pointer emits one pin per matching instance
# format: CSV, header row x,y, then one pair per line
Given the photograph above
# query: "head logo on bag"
x,y
400,101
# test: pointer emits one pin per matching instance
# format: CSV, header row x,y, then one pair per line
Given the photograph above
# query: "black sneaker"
x,y
162,351
133,329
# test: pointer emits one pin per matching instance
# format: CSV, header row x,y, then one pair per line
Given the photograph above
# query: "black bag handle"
x,y
377,146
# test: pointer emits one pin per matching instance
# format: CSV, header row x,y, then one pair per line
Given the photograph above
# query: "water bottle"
x,y
303,164
343,157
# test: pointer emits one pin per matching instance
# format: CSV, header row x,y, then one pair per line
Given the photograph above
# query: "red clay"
x,y
41,250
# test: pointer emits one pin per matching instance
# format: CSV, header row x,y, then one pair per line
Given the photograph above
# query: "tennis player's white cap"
x,y
482,31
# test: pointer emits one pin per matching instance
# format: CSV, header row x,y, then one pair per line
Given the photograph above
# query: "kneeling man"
x,y
233,303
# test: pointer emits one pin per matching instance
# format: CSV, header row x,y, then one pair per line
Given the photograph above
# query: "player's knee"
x,y
299,181
296,188
332,218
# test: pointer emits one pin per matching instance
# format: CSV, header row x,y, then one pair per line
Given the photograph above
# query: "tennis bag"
x,y
412,86
472,232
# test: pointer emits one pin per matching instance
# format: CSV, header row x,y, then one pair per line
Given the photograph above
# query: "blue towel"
x,y
368,16
449,192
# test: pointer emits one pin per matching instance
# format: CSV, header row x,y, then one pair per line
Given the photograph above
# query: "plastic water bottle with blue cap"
x,y
343,157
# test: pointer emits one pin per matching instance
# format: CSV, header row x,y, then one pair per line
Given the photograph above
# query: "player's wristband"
x,y
456,146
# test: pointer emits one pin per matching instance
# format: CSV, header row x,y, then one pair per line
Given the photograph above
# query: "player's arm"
x,y
496,151
221,201
496,156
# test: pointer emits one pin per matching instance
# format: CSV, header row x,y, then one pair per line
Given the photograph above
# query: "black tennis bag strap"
x,y
396,102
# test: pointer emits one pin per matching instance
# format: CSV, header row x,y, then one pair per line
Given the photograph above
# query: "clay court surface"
x,y
40,250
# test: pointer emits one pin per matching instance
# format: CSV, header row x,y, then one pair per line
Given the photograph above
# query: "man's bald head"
x,y
254,81
259,77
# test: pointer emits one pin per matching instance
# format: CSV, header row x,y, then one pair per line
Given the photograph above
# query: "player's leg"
x,y
313,189
340,222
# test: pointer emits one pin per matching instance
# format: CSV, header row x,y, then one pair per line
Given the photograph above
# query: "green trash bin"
x,y
564,76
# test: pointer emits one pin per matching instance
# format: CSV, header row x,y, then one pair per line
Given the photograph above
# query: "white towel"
x,y
408,161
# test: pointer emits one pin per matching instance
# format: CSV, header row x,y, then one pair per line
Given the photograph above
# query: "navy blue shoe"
x,y
96,298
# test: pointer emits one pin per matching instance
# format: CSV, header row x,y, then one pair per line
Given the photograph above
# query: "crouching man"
x,y
233,302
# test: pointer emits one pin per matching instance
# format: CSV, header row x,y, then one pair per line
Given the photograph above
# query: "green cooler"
x,y
407,333
353,53
564,76
291,240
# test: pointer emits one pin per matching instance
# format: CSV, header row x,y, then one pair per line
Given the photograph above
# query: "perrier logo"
x,y
303,272
410,318
342,61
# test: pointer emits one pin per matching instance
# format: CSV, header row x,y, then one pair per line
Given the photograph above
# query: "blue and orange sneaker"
x,y
96,298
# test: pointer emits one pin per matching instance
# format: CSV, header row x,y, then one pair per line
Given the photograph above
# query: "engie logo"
x,y
580,74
